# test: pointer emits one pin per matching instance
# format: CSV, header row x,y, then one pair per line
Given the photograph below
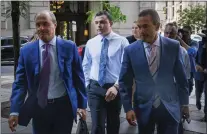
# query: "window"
x,y
173,9
3,42
10,42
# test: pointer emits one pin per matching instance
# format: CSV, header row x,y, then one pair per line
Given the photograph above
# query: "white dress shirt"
x,y
91,59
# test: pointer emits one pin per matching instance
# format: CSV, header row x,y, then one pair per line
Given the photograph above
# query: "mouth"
x,y
43,34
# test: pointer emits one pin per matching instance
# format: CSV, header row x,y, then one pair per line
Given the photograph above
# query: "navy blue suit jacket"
x,y
27,78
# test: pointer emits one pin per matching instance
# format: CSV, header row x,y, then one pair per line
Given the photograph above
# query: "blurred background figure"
x,y
171,31
135,33
201,76
192,47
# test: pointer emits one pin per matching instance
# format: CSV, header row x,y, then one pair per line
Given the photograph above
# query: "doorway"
x,y
71,17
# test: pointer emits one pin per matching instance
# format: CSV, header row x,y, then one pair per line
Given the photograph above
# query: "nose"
x,y
41,27
141,30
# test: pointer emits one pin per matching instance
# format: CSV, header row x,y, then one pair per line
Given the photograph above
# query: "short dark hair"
x,y
153,13
188,27
169,24
172,24
104,12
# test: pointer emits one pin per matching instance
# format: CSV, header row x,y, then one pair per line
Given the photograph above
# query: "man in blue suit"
x,y
50,71
154,62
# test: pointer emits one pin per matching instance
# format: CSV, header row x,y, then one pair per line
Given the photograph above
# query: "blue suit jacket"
x,y
27,78
135,66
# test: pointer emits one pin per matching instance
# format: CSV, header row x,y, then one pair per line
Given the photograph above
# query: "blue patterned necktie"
x,y
103,62
44,77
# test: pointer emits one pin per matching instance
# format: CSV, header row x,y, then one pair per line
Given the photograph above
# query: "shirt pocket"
x,y
114,53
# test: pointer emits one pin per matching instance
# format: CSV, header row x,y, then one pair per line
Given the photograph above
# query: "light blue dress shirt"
x,y
91,59
56,84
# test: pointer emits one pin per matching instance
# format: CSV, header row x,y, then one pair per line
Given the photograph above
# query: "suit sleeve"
x,y
125,43
78,79
19,91
181,79
126,82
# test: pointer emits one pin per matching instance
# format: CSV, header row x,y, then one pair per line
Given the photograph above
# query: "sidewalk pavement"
x,y
195,127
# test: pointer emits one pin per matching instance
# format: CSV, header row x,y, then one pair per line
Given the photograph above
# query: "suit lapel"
x,y
141,56
36,57
60,55
162,55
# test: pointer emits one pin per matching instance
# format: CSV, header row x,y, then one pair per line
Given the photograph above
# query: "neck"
x,y
137,38
186,40
47,41
106,34
155,37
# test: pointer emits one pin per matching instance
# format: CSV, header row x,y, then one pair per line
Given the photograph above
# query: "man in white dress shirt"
x,y
101,66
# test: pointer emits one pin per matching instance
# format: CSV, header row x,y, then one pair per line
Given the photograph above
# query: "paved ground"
x,y
195,127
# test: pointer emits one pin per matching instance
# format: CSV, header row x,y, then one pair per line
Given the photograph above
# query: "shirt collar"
x,y
108,37
52,42
157,42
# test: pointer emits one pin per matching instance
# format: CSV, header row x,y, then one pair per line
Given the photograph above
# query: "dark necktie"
x,y
44,77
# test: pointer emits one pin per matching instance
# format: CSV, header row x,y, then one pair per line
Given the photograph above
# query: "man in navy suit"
x,y
50,71
154,62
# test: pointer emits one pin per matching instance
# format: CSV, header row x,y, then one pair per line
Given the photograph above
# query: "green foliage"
x,y
193,16
115,12
23,7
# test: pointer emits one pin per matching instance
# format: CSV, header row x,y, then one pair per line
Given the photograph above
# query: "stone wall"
x,y
27,25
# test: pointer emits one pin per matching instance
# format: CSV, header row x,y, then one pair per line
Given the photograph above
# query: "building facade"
x,y
69,24
171,8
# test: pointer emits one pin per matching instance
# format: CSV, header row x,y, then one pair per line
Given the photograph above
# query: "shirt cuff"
x,y
14,114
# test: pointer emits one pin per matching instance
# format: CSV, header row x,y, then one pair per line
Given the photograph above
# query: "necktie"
x,y
153,66
103,62
44,77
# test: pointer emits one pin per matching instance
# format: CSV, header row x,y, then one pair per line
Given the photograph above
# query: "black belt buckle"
x,y
50,101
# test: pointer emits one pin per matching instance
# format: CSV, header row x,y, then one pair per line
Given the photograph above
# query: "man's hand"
x,y
185,112
199,68
13,121
131,118
178,38
111,94
82,113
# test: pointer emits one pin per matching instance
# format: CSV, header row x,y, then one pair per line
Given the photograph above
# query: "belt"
x,y
51,101
106,85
